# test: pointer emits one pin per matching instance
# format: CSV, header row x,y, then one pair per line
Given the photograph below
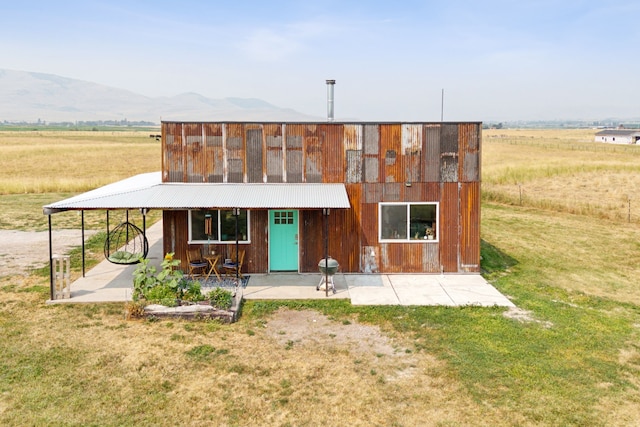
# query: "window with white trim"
x,y
408,222
218,226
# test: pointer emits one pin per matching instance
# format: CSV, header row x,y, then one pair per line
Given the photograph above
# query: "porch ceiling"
x,y
148,191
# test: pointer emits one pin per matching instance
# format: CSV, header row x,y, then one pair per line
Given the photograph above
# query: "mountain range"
x,y
31,97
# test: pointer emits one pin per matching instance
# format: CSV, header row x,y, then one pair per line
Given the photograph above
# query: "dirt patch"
x,y
22,251
525,316
312,329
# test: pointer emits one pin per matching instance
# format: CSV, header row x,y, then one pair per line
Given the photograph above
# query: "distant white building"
x,y
618,136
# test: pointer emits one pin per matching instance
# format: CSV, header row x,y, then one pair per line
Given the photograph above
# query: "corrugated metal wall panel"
x,y
371,150
369,224
449,153
313,154
235,152
431,153
353,153
469,145
334,165
254,155
412,140
431,191
431,258
351,242
172,153
449,233
470,227
294,155
275,152
391,153
195,156
214,152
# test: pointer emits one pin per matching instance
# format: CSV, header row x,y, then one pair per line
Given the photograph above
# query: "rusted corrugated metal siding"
x,y
412,140
469,148
353,153
294,154
313,153
431,153
449,152
275,152
172,153
350,242
391,153
470,227
194,152
449,234
255,154
371,153
214,152
235,151
333,152
390,162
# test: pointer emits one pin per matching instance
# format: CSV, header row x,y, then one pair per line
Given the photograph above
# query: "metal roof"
x,y
148,191
618,132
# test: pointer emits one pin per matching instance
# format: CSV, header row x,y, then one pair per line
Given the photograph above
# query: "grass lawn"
x,y
570,354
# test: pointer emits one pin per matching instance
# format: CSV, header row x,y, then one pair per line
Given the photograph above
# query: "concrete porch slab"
x,y
109,282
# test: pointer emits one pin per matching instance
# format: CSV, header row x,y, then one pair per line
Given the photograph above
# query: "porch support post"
x,y
83,264
325,216
236,213
145,249
50,261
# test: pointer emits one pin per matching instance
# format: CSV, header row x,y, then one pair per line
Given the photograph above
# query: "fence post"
x,y
61,276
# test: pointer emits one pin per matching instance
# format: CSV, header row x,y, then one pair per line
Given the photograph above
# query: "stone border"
x,y
197,311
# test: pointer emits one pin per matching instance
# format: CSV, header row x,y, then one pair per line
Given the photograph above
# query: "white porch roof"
x,y
148,191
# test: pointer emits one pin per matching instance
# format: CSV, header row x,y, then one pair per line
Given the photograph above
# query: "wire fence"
x,y
610,208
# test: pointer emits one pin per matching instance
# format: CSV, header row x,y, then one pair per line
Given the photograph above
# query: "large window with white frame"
x,y
218,226
408,222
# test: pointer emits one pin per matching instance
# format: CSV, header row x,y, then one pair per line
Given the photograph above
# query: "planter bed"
x,y
201,310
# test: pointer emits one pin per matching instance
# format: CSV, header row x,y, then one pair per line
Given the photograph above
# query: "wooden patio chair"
x,y
196,262
230,268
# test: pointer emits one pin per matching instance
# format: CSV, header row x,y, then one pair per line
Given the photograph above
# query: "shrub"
x,y
167,285
221,298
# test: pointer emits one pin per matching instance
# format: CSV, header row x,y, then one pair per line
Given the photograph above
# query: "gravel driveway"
x,y
21,251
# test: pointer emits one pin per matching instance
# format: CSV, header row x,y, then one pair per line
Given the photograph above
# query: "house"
x,y
383,197
618,136
413,193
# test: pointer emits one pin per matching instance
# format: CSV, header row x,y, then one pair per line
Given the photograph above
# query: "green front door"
x,y
283,240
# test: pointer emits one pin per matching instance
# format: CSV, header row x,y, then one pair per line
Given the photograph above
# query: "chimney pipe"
x,y
330,84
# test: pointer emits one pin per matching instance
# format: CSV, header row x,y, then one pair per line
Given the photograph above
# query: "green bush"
x,y
221,298
168,284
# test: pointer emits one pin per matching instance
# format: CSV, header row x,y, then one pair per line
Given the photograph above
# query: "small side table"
x,y
213,259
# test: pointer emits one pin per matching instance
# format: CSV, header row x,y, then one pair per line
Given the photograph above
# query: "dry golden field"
x,y
74,161
562,170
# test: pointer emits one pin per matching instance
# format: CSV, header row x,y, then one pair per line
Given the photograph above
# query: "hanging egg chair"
x,y
126,244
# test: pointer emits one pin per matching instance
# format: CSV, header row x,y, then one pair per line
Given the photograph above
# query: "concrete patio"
x,y
109,282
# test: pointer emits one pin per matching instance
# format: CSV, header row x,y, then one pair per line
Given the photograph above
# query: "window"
x,y
285,217
218,226
414,222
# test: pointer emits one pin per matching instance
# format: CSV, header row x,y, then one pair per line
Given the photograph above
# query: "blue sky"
x,y
496,60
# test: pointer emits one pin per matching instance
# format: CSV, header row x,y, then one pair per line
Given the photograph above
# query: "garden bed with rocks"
x,y
204,310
